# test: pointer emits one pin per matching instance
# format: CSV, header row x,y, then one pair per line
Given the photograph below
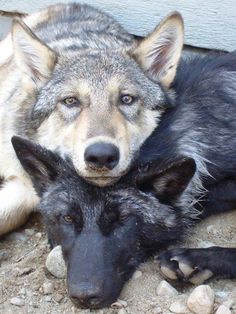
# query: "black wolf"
x,y
73,80
105,233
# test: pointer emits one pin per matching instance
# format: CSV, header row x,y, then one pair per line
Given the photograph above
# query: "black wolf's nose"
x,y
102,155
86,295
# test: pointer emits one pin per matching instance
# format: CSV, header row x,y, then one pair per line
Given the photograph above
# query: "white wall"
x,y
208,23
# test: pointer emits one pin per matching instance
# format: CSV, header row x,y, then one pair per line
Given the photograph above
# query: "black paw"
x,y
186,265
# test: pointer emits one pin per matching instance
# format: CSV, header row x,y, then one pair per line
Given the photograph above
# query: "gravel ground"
x,y
27,287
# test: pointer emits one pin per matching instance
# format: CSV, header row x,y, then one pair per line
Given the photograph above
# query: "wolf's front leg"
x,y
198,265
17,199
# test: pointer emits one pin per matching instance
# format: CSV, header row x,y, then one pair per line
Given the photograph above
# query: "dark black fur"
x,y
202,125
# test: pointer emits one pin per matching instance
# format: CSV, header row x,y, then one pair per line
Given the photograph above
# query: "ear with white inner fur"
x,y
33,57
167,183
158,54
42,165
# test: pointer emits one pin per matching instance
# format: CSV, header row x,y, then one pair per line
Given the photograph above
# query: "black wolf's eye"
x,y
68,219
127,99
71,101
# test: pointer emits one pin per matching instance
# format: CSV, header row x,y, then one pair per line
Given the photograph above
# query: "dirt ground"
x,y
23,273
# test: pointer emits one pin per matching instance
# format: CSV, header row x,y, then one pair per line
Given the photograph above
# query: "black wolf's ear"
x,y
159,53
42,165
33,57
168,183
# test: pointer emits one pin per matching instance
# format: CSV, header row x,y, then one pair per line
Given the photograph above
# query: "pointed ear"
x,y
33,57
167,183
42,165
159,53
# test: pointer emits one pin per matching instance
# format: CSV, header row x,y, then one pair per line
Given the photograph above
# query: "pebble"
x,y
24,271
137,274
17,301
157,310
119,304
211,229
165,289
58,297
38,235
4,255
221,294
205,244
17,236
48,298
47,288
222,309
22,291
122,311
201,300
229,303
178,307
29,232
55,263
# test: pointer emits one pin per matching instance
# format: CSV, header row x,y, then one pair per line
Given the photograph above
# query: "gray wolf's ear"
x,y
42,165
158,54
168,182
33,57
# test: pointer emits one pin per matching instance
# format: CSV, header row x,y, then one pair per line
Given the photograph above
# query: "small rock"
x,y
48,288
222,309
17,236
211,229
165,289
201,300
153,304
29,232
123,302
119,304
229,303
17,301
4,255
137,274
157,310
221,294
178,307
38,235
205,244
24,271
58,297
122,311
48,298
22,291
55,263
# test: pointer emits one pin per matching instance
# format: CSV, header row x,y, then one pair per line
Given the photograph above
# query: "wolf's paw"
x,y
183,265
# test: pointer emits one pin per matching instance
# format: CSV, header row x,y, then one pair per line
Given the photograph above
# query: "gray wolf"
x,y
73,80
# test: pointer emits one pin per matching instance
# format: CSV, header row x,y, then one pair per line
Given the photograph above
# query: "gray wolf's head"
x,y
98,105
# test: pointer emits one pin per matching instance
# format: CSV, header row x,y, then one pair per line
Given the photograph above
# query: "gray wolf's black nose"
x,y
102,155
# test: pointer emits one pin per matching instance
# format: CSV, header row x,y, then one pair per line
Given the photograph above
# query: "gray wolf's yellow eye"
x,y
71,101
68,219
127,99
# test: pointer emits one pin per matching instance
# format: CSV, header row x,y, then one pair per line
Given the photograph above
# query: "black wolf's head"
x,y
105,233
99,92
